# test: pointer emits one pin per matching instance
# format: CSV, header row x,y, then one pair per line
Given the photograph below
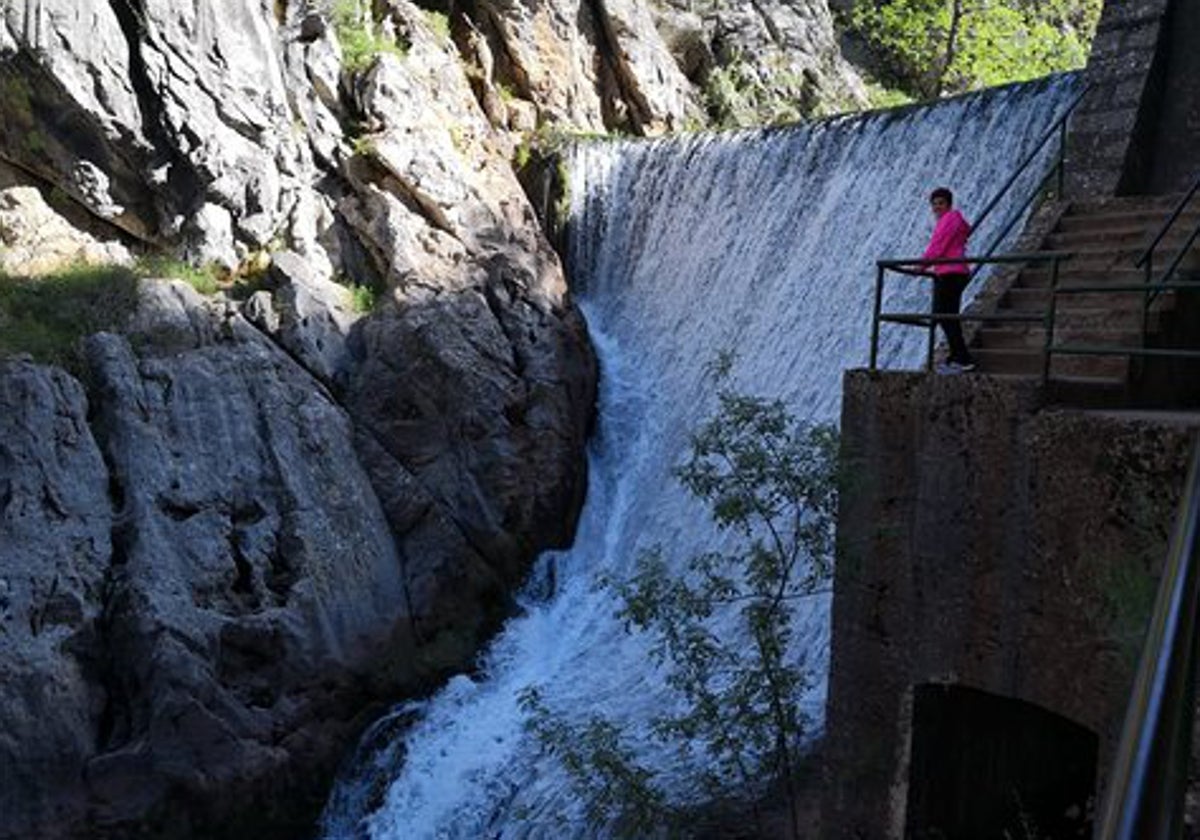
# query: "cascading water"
x,y
759,242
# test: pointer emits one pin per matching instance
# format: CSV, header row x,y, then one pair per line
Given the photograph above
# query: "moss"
x,y
47,316
562,207
35,142
1128,592
18,99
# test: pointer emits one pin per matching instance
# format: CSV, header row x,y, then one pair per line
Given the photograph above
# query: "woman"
x,y
950,280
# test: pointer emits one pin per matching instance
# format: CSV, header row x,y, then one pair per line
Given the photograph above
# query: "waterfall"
x,y
761,242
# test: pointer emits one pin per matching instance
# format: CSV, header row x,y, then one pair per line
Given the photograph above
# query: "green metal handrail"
x,y
1058,172
918,267
1140,350
1145,795
1147,257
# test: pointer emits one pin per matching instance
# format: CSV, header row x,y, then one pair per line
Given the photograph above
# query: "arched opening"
x,y
984,766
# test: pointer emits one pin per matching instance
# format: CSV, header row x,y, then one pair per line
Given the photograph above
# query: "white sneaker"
x,y
951,368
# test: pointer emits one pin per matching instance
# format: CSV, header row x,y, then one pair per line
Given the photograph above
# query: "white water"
x,y
761,242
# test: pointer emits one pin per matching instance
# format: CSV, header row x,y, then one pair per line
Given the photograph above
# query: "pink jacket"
x,y
949,240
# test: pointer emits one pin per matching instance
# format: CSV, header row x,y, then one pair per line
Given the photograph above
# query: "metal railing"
x,y
1145,795
918,267
1150,290
1146,260
1057,172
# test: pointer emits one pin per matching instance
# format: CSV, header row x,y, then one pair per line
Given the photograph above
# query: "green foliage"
x,y
618,792
46,316
932,47
205,280
356,33
881,96
505,92
362,298
439,23
735,96
769,481
364,145
522,155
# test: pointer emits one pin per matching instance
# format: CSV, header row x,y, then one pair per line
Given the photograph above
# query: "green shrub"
x,y
355,30
362,298
47,316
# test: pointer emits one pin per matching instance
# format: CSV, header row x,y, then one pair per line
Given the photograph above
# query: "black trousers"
x,y
947,298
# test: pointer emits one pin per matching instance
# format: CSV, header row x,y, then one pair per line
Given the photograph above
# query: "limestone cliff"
x,y
241,523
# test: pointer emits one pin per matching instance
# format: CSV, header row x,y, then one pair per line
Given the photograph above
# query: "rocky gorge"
x,y
233,527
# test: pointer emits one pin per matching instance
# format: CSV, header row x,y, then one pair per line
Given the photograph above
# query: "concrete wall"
x,y
984,542
1174,159
1112,133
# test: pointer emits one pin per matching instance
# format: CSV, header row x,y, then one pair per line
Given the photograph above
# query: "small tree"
x,y
769,480
934,47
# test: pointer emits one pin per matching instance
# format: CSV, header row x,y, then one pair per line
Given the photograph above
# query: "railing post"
x,y
879,270
1146,299
1051,310
1062,159
932,322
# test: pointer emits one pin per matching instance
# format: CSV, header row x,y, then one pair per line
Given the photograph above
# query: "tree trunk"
x,y
956,11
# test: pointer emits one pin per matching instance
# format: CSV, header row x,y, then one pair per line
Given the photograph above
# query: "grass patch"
x,y
204,279
47,316
881,96
355,30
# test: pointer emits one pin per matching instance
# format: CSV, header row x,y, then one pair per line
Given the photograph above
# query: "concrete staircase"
x,y
1106,239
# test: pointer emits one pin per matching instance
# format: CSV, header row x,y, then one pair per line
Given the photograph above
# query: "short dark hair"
x,y
942,192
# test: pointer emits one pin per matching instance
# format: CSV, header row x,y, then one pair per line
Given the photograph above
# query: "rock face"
x,y
55,525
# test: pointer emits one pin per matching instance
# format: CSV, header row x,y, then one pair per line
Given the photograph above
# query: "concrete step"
x,y
1029,361
1121,257
1033,337
1039,278
1038,300
1147,222
1147,204
1097,318
1133,239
